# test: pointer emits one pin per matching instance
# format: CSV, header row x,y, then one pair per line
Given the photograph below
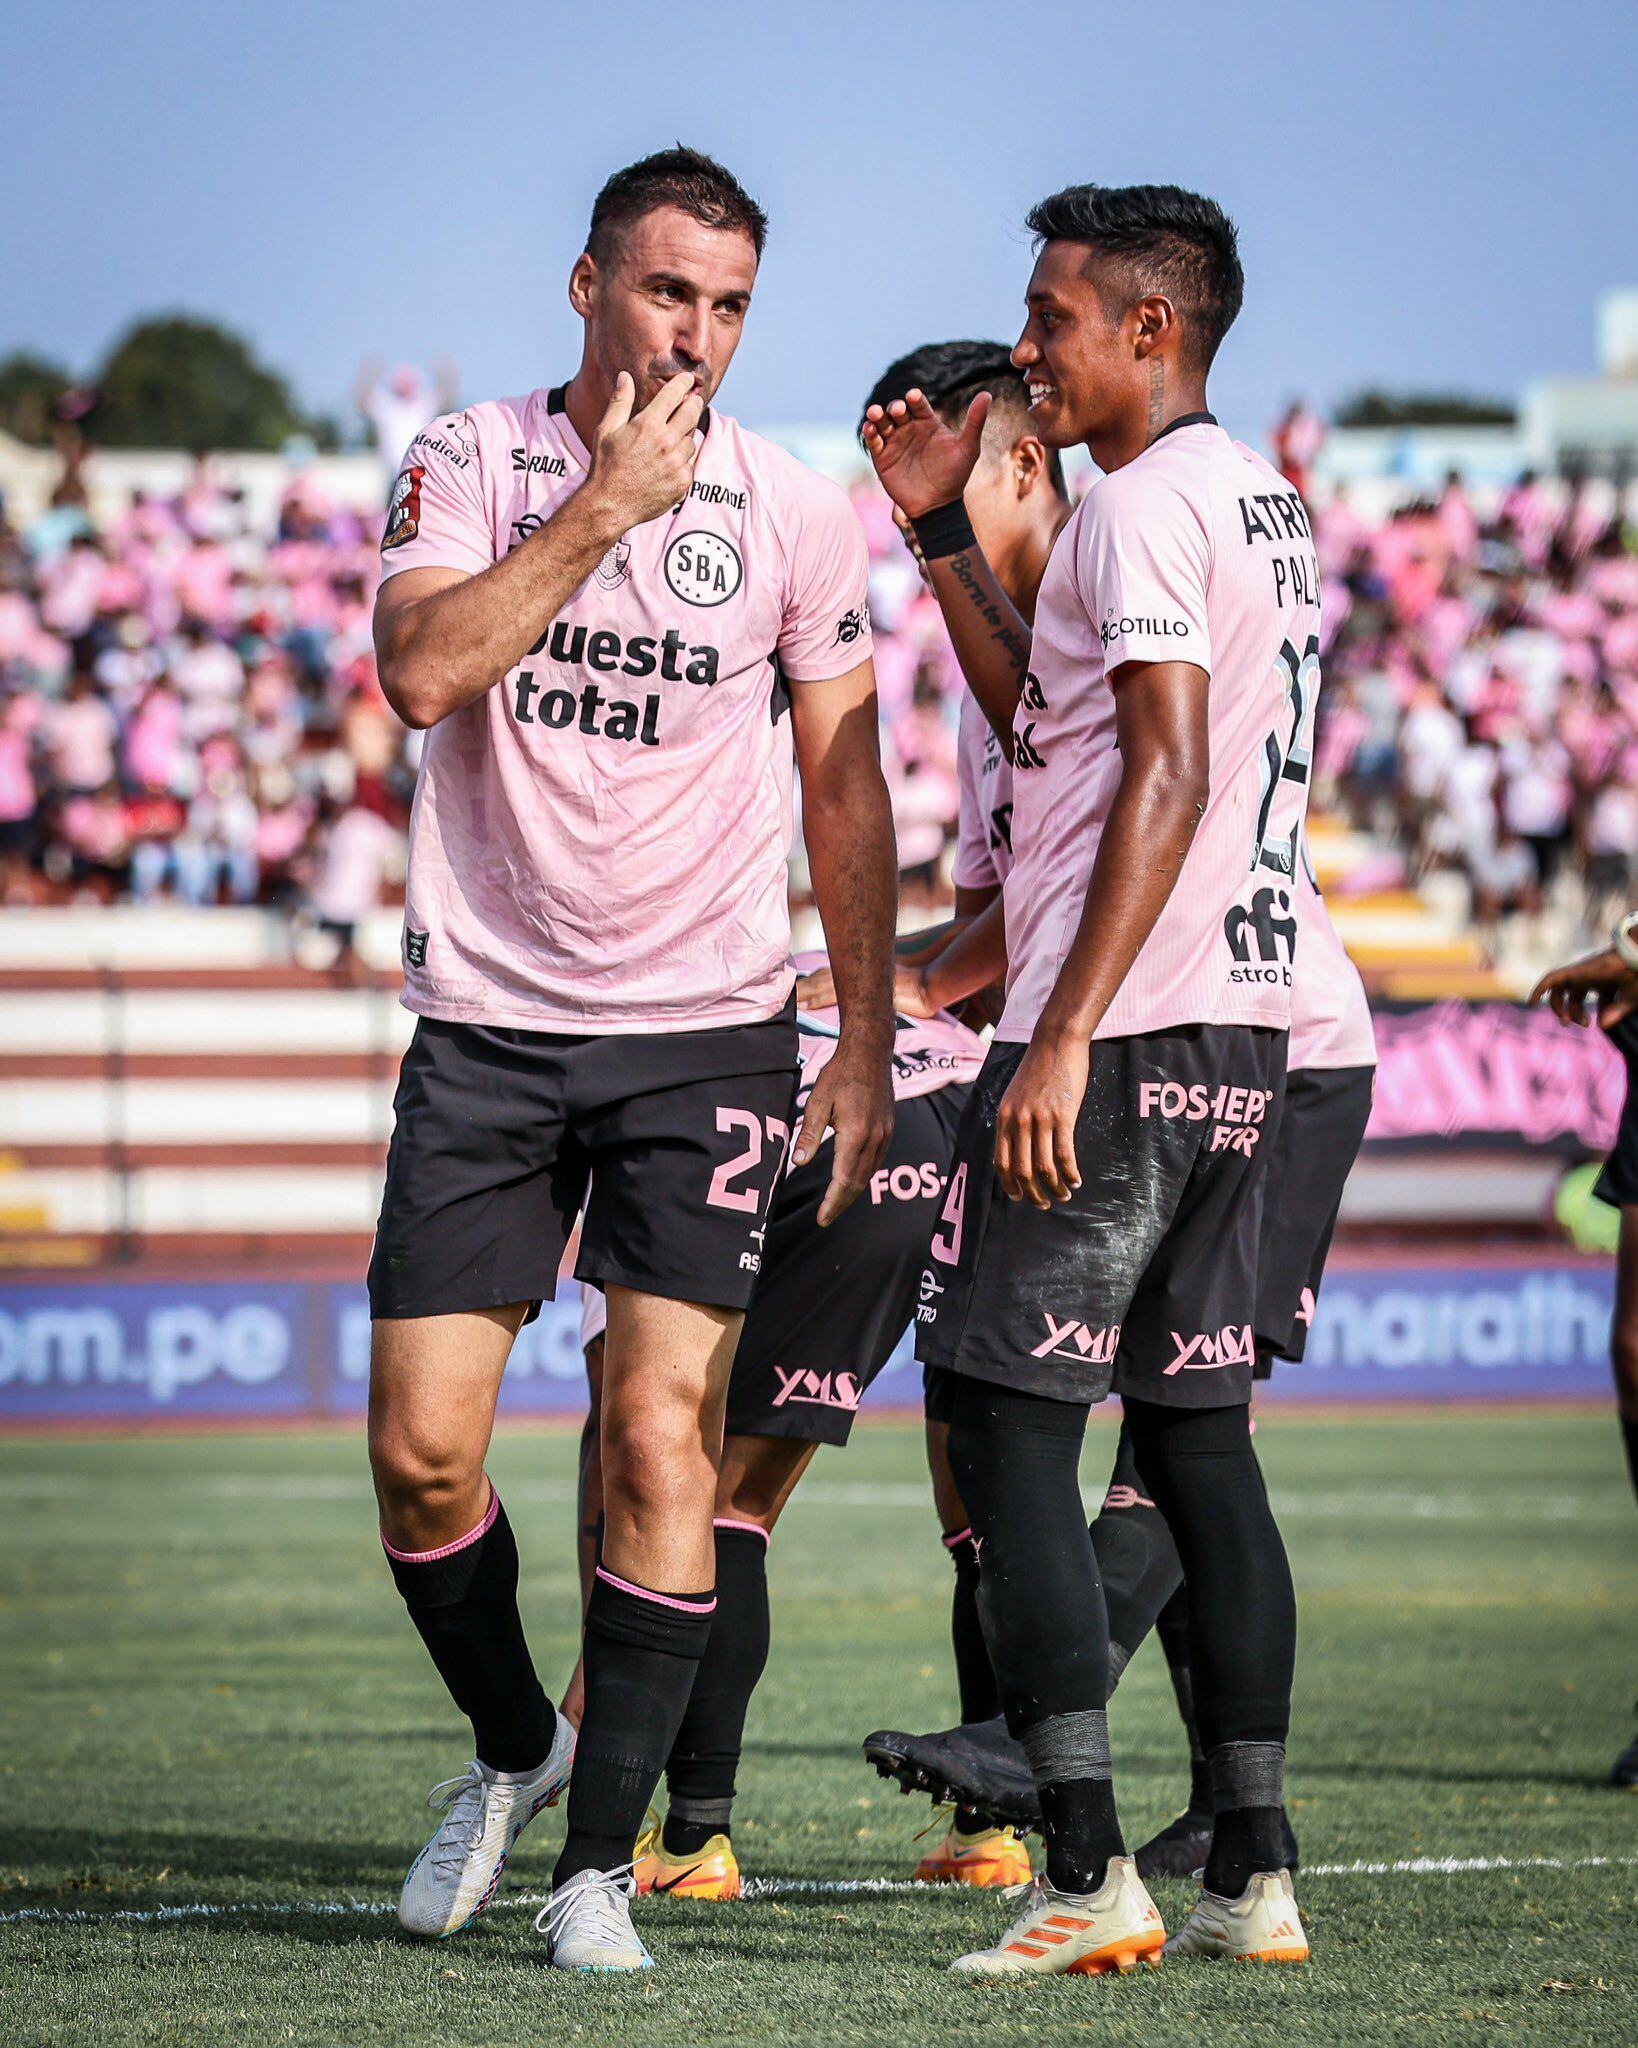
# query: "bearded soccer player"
x,y
617,611
1101,1227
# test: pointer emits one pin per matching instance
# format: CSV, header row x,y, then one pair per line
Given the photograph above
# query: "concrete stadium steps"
x,y
270,1112
1411,944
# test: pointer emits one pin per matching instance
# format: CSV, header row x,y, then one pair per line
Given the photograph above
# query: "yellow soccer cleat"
x,y
992,1856
1261,1926
712,1872
1061,1934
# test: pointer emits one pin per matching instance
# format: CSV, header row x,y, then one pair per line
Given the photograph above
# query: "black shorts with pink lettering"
x,y
681,1134
831,1305
1311,1152
1145,1281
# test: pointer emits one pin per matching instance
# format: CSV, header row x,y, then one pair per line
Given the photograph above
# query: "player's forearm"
x,y
853,862
447,649
990,637
974,960
1151,827
914,949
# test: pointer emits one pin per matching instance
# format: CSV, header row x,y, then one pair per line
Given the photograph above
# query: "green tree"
x,y
29,390
181,383
1424,409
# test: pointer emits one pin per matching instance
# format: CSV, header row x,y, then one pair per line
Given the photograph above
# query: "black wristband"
x,y
946,530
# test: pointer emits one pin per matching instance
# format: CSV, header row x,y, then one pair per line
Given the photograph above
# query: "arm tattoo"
x,y
1009,641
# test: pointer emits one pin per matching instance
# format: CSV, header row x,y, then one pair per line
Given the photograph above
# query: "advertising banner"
x,y
97,1349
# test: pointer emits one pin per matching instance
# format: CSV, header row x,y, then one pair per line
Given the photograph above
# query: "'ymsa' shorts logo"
x,y
703,568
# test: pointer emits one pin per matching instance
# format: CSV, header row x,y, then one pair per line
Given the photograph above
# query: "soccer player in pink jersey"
x,y
1102,1223
1312,1149
619,614
829,1309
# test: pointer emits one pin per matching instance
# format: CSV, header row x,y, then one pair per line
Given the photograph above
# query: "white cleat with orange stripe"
x,y
1261,1926
1063,1934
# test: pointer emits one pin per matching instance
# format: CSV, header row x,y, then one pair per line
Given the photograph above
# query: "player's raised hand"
x,y
853,1097
1603,981
1035,1128
921,461
643,463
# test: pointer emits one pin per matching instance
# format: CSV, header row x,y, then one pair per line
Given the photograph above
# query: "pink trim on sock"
x,y
955,1542
741,1528
448,1549
695,1606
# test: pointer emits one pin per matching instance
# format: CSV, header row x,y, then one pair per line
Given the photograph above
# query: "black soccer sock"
x,y
1629,1436
463,1598
975,1679
642,1651
705,1756
1173,1630
1137,1559
1203,1475
1015,1458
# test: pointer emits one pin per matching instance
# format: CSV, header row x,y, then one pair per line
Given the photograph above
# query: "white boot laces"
x,y
598,1899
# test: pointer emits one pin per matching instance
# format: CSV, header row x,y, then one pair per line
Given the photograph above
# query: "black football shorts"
x,y
831,1305
1618,1183
1311,1153
1145,1281
682,1136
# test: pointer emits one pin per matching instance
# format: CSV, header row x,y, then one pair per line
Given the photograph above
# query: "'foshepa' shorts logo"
x,y
703,568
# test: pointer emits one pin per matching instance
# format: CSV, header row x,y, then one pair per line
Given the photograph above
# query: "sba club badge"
x,y
703,568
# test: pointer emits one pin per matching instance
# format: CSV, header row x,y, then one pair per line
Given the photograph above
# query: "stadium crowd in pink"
x,y
189,709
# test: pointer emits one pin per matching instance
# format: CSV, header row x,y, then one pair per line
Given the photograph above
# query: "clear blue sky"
x,y
1429,194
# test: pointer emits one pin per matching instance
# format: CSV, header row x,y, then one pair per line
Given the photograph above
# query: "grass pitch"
x,y
218,1727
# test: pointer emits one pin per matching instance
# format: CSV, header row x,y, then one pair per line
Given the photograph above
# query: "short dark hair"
x,y
685,178
951,374
1165,239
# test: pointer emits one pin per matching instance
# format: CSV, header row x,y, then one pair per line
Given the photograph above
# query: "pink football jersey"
x,y
1330,1017
598,843
983,857
1198,551
929,1053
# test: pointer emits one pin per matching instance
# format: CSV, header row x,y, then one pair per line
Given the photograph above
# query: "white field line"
x,y
755,1888
1393,1504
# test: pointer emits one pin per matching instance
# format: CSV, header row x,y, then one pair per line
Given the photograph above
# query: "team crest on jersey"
x,y
851,625
403,508
703,568
612,571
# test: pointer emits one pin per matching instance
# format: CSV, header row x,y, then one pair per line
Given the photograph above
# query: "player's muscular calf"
x,y
442,639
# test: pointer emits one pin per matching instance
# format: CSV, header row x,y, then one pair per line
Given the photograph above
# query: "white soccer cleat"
x,y
1261,1926
1058,1934
457,1873
587,1923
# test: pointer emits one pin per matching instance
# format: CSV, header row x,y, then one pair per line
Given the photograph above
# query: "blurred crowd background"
x,y
189,708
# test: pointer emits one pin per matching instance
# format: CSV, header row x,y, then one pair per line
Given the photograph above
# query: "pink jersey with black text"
x,y
598,843
929,1053
1330,1017
983,857
1198,551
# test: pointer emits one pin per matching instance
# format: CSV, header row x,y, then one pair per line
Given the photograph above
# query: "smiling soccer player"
x,y
619,614
1101,1228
